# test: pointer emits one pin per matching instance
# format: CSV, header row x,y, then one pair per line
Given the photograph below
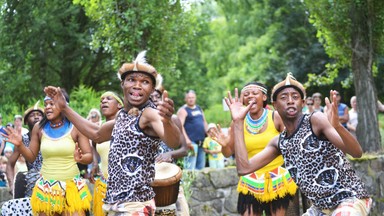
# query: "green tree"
x,y
351,32
124,28
47,43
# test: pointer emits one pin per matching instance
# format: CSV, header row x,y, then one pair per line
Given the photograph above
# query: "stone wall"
x,y
213,192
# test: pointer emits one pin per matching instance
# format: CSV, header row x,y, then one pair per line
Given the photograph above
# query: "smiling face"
x,y
137,88
257,96
289,103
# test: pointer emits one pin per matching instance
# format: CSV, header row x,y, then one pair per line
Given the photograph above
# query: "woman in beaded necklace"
x,y
270,188
60,190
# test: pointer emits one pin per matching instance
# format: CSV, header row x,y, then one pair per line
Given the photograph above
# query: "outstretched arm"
x,y
94,132
333,130
177,153
226,141
160,121
245,166
29,153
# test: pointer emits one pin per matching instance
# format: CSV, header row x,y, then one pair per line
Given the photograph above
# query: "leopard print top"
x,y
131,161
320,169
39,159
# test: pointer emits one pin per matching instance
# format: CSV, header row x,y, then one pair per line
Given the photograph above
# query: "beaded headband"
x,y
261,88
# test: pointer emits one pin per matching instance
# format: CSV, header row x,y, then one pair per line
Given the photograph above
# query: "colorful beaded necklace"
x,y
254,126
59,124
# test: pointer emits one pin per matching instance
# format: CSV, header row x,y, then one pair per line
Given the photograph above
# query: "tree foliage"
x,y
46,43
124,28
351,32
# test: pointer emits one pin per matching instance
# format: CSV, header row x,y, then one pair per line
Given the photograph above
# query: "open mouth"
x,y
291,111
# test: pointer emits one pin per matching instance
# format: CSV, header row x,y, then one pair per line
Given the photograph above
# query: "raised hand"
x,y
13,136
165,107
332,111
57,96
218,135
238,110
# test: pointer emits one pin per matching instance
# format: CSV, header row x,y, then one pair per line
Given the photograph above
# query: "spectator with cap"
x,y
213,149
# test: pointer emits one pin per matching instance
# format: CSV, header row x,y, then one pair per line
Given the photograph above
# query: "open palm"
x,y
238,110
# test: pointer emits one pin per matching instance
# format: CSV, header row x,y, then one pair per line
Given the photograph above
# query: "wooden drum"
x,y
166,183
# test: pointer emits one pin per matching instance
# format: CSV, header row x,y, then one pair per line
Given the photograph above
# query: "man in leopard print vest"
x,y
135,135
314,147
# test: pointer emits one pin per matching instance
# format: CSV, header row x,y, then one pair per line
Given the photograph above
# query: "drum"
x,y
166,183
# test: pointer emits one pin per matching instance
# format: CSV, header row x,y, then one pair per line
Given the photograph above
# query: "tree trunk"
x,y
367,130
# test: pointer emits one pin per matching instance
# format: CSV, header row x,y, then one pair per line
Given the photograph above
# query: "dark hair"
x,y
45,120
262,85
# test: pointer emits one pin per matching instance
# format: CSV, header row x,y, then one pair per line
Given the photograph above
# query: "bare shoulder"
x,y
181,111
149,116
318,116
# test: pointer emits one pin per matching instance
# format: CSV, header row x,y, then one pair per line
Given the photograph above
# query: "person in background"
x,y
31,116
3,166
2,131
166,154
380,106
7,148
352,122
213,149
317,100
314,148
110,104
194,129
309,102
59,190
94,116
342,110
135,136
18,123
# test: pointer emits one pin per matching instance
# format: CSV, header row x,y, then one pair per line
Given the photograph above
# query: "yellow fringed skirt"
x,y
52,196
267,186
100,189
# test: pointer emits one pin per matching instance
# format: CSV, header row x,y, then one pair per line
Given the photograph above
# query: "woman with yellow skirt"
x,y
270,189
60,190
110,104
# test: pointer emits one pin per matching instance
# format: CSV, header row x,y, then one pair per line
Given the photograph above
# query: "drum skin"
x,y
166,183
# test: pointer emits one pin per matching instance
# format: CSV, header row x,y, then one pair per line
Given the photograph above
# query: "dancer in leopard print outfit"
x,y
135,136
313,147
